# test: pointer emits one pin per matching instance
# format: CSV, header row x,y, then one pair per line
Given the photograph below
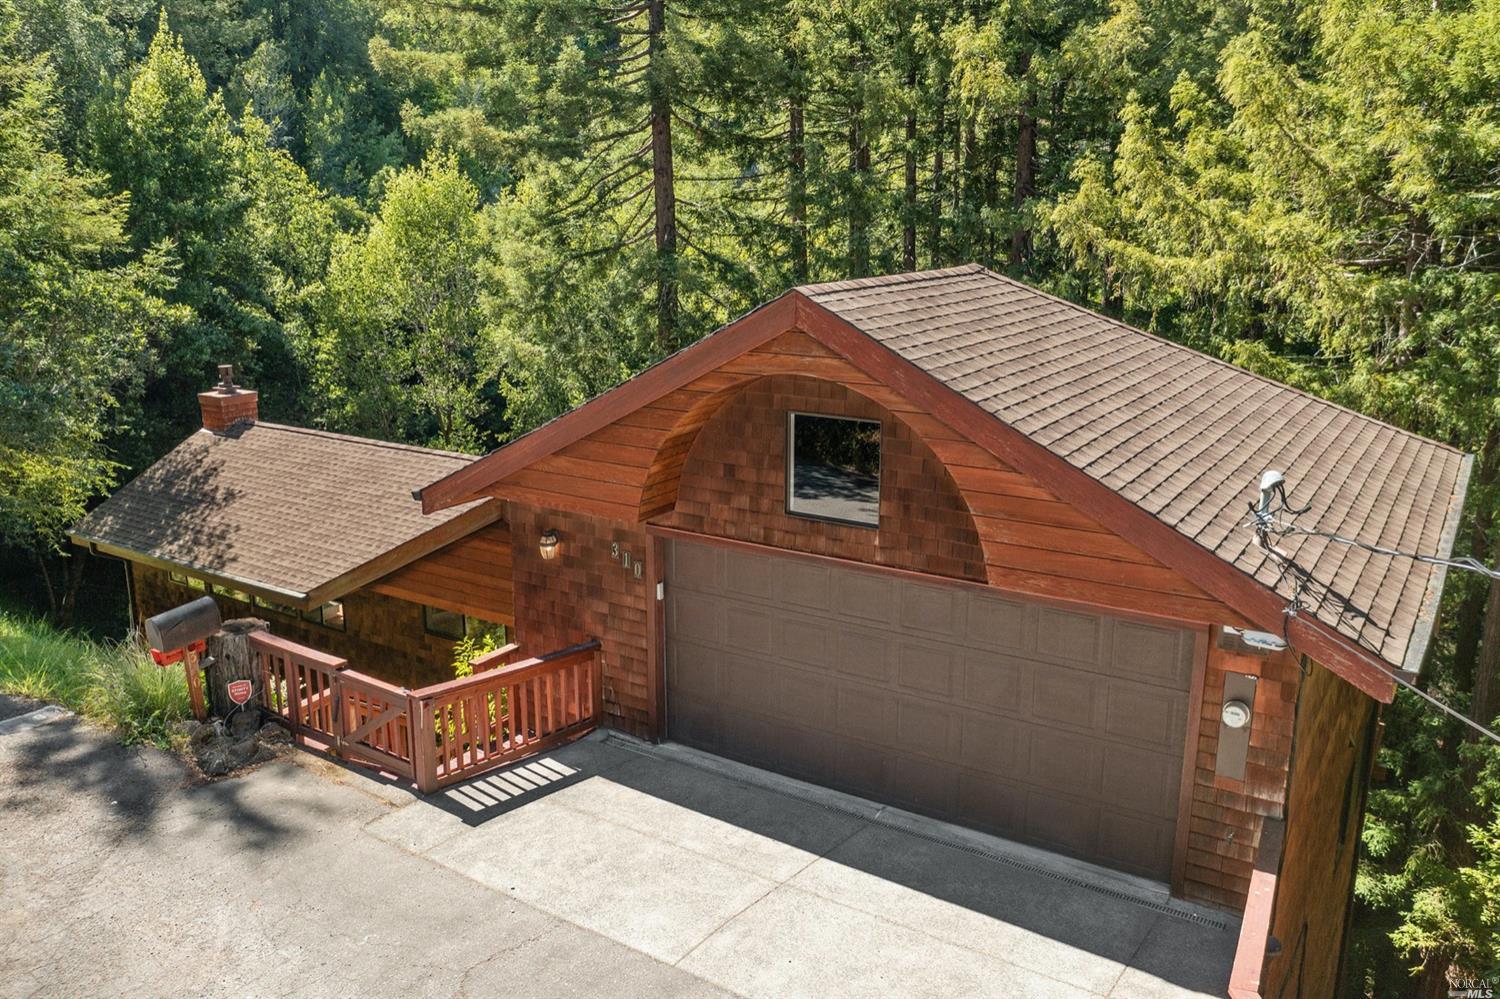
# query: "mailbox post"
x,y
182,634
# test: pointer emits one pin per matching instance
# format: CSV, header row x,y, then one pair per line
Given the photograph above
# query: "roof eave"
x,y
382,565
1432,599
480,515
255,587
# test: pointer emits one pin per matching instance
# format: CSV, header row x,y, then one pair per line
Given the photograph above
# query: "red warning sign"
x,y
240,691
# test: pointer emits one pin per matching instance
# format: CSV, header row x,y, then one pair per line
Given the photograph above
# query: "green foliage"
x,y
1429,887
115,684
133,695
42,663
398,352
345,149
467,648
77,311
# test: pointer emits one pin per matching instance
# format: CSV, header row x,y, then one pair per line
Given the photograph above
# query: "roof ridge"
x,y
367,441
886,280
1282,386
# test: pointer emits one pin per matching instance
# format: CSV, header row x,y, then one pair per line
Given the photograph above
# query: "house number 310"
x,y
631,564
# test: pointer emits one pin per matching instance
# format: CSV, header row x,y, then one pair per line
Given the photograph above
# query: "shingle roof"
x,y
1186,437
274,507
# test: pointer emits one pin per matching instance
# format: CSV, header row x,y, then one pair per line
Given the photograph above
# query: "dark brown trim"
x,y
139,558
1198,565
912,575
745,333
1201,646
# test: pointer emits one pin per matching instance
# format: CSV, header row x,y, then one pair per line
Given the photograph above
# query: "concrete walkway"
x,y
607,867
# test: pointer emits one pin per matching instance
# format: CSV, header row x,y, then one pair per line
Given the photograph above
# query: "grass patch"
x,y
114,683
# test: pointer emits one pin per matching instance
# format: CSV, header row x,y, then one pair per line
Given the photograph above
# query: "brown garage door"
x,y
1052,726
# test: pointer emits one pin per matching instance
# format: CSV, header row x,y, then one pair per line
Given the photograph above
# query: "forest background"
x,y
445,222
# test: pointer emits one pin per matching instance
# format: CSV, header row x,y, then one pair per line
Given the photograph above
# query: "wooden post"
x,y
418,725
195,685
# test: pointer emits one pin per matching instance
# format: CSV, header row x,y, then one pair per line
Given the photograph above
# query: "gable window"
x,y
833,468
330,615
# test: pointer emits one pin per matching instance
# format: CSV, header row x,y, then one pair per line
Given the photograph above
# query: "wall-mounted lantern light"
x,y
549,545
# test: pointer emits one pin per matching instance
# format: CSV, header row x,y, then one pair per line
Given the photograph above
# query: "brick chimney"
x,y
226,403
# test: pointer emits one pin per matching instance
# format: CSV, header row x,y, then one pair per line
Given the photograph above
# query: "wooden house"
x,y
316,533
937,539
948,542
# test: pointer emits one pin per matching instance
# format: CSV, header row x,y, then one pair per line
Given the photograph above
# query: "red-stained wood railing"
x,y
298,685
511,707
505,655
469,725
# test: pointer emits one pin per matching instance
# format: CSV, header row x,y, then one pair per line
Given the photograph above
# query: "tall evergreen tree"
x,y
78,312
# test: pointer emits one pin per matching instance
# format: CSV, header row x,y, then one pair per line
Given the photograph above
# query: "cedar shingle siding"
x,y
734,485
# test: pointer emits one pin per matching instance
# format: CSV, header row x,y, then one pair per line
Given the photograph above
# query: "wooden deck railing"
x,y
469,725
511,707
299,684
376,725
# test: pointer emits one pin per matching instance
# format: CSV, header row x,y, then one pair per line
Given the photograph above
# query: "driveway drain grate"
x,y
1187,915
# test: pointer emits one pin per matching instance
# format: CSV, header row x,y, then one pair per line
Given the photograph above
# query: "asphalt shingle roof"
x,y
273,506
1185,437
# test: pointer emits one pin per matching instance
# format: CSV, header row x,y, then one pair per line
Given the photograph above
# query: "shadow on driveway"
x,y
817,859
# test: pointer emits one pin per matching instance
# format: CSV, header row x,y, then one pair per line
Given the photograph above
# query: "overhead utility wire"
x,y
1266,518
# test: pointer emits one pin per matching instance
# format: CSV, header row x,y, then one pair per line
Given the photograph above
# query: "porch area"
x,y
514,705
767,887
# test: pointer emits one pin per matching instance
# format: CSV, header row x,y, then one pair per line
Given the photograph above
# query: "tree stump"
x,y
233,659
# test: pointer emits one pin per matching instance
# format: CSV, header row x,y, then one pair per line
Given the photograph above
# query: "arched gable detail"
x,y
1033,542
731,482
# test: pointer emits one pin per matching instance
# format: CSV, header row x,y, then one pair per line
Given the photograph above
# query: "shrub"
x,y
470,646
114,683
138,698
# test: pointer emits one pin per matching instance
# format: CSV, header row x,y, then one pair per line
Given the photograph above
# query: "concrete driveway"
x,y
605,867
768,887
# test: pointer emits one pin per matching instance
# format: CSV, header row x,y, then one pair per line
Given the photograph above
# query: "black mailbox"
x,y
182,626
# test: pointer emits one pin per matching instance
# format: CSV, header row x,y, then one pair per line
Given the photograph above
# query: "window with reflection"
x,y
833,468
